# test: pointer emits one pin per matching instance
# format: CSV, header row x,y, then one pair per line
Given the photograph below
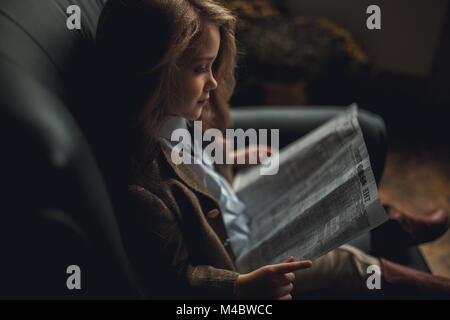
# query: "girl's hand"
x,y
270,282
255,150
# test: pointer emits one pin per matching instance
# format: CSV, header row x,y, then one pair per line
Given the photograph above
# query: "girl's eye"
x,y
202,69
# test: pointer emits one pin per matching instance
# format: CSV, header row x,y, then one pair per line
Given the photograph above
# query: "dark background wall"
x,y
409,35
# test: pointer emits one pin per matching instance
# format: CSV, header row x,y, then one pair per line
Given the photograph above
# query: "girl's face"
x,y
195,78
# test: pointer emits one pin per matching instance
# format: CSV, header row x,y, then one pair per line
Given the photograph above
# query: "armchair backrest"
x,y
56,211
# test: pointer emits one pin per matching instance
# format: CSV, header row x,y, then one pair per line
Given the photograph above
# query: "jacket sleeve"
x,y
161,255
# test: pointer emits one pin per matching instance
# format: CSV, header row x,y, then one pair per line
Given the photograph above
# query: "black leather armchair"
x,y
56,211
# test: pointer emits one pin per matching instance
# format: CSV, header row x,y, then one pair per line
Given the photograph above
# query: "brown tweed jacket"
x,y
174,232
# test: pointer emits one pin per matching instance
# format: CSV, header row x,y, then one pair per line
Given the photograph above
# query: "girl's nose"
x,y
211,84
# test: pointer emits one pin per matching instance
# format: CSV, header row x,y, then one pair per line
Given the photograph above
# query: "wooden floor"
x,y
417,178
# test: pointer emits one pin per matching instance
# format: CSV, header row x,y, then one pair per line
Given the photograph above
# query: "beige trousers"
x,y
342,270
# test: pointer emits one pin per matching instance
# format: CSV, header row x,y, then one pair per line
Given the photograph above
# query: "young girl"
x,y
167,63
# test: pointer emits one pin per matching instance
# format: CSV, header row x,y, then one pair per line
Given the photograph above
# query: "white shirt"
x,y
233,210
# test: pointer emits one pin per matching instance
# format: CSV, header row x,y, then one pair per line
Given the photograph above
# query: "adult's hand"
x,y
257,152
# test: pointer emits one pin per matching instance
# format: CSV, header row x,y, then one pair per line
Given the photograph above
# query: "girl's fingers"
x,y
287,267
286,297
284,290
290,259
287,278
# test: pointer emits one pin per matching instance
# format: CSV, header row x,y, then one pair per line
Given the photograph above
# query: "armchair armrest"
x,y
293,122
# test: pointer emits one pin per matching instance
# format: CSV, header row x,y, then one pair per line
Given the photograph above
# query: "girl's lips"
x,y
203,101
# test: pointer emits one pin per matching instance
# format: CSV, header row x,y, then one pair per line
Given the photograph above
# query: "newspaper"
x,y
323,195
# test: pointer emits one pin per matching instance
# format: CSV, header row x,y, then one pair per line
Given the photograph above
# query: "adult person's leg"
x,y
344,273
341,273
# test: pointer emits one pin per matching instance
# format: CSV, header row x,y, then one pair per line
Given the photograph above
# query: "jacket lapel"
x,y
185,174
189,177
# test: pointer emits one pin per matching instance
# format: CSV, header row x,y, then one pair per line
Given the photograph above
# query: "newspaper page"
x,y
323,195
